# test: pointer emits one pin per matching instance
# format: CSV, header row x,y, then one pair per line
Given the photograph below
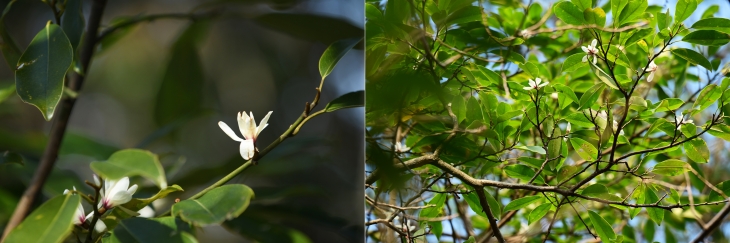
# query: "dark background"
x,y
252,60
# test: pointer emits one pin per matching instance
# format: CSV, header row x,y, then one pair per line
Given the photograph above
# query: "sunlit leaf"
x,y
131,162
334,53
51,222
215,206
602,227
41,69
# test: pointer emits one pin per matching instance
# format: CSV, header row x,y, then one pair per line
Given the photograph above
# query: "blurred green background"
x,y
256,55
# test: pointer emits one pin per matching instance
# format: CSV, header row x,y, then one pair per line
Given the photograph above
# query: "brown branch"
x,y
492,221
713,224
50,154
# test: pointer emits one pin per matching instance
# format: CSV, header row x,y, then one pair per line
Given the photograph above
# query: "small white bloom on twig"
x,y
400,148
146,212
682,121
591,51
536,84
651,70
249,130
116,193
554,95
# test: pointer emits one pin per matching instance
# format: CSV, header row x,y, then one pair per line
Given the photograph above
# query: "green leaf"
x,y
42,68
458,105
51,222
594,190
582,4
473,200
590,96
6,92
539,212
602,227
632,10
586,150
181,92
8,157
334,53
604,77
531,69
464,15
595,16
616,7
693,57
724,187
349,100
655,214
638,35
684,9
567,91
522,172
73,22
139,229
696,150
437,203
536,149
10,50
574,62
708,96
215,206
138,203
688,129
718,24
521,203
578,119
669,104
131,162
569,13
707,38
670,167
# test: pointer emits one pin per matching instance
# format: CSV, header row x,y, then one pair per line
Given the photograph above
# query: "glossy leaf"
x,y
131,162
539,212
73,22
718,24
437,204
591,96
51,222
696,150
334,53
684,9
569,13
602,227
692,57
181,91
143,230
708,96
595,190
8,157
655,214
574,62
522,172
724,188
595,16
586,150
670,167
138,203
521,203
10,50
632,10
41,69
215,206
349,100
707,38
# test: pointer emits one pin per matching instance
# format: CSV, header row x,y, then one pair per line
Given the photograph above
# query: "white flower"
x,y
682,121
526,34
247,126
536,84
567,131
651,69
590,51
100,226
602,120
399,147
116,193
554,95
146,212
79,217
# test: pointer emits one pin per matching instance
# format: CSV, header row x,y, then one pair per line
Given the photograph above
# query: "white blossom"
x,y
535,84
682,121
567,131
146,212
249,130
399,147
591,51
554,95
116,193
651,70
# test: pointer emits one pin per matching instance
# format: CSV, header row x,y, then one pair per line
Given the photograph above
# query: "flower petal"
x,y
585,58
527,88
146,212
226,129
247,149
594,43
651,77
263,123
595,59
244,125
120,198
585,49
